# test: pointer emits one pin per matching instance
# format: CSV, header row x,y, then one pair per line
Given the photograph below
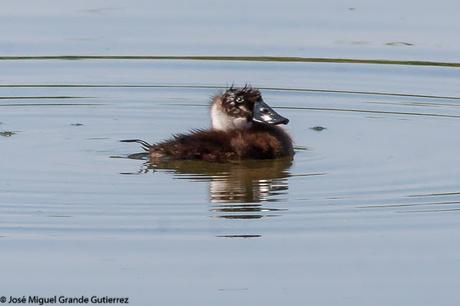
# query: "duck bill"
x,y
265,114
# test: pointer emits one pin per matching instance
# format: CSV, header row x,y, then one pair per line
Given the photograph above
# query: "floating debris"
x,y
239,236
318,128
7,133
76,124
59,216
398,43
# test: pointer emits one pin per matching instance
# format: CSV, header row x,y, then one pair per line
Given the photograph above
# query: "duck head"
x,y
239,108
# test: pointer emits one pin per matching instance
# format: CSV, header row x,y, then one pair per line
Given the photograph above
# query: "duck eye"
x,y
239,100
264,110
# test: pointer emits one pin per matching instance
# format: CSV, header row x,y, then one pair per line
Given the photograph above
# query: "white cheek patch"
x,y
223,122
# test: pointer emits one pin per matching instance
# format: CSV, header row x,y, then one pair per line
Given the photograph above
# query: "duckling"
x,y
243,126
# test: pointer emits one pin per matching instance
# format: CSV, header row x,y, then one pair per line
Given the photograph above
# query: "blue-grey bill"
x,y
265,114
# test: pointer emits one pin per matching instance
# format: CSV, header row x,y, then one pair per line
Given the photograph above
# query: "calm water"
x,y
366,214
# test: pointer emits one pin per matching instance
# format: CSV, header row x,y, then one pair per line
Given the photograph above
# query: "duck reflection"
x,y
237,189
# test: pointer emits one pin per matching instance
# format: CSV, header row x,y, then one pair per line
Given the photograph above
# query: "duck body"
x,y
242,127
257,142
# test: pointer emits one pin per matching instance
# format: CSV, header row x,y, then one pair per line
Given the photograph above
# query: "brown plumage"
x,y
257,142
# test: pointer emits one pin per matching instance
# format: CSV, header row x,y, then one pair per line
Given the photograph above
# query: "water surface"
x,y
366,213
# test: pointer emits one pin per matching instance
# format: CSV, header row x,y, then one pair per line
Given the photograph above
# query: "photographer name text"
x,y
62,299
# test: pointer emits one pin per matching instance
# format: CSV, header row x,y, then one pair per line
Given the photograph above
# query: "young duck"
x,y
243,127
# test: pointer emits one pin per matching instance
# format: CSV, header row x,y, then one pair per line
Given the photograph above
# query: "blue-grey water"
x,y
366,214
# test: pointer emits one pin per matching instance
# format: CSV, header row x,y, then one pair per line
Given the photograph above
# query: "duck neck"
x,y
221,121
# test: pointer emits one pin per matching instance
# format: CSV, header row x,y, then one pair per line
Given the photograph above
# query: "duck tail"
x,y
145,145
